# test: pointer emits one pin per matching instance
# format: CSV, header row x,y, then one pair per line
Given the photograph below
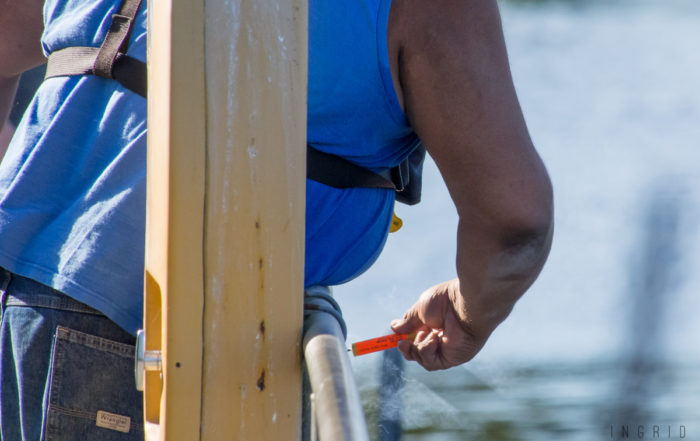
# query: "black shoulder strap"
x,y
110,59
117,39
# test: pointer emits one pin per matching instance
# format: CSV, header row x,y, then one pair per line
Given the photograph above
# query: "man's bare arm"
x,y
457,90
20,46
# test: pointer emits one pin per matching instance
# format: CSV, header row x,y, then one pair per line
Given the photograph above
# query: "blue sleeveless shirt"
x,y
72,185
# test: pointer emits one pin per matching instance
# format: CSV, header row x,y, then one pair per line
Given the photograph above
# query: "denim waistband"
x,y
17,290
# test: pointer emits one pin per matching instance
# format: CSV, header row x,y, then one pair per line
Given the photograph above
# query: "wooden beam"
x,y
226,206
175,220
256,99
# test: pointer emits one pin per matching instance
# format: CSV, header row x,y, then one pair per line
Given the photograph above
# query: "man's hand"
x,y
443,340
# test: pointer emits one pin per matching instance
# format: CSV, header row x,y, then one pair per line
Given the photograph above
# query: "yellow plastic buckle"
x,y
396,224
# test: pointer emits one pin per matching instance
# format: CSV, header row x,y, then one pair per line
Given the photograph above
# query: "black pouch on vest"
x,y
412,177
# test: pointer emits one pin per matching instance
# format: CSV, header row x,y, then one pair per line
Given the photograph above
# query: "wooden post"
x,y
254,263
226,205
175,205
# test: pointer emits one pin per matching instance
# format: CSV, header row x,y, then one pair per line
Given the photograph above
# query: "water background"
x,y
609,335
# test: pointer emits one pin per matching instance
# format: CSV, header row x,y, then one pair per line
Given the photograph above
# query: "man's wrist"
x,y
479,315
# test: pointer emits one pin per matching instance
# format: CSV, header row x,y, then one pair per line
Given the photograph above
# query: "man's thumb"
x,y
409,323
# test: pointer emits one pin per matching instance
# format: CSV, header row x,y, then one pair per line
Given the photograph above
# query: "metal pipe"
x,y
337,409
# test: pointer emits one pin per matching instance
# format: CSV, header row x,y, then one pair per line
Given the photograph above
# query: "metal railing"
x,y
333,411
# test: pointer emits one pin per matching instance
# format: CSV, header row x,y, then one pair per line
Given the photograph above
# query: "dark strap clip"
x,y
109,60
112,46
401,176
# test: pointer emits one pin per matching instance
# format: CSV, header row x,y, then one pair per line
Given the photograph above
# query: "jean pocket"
x,y
93,392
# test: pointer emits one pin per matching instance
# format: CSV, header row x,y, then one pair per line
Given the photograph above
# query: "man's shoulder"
x,y
441,23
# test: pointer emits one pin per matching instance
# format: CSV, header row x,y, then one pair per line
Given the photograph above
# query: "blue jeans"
x,y
66,370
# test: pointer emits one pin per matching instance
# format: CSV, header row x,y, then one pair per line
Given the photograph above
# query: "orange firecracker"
x,y
379,343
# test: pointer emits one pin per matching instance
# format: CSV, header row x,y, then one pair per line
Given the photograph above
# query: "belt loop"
x,y
4,283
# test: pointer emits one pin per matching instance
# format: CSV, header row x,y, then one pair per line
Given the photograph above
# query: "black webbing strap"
x,y
109,60
340,173
117,39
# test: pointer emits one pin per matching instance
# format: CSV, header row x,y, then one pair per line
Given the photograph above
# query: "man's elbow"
x,y
534,223
526,237
531,239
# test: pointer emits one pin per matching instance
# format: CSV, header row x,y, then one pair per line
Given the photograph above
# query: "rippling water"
x,y
609,334
553,401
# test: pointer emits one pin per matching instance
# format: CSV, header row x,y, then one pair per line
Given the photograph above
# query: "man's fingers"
x,y
427,352
404,347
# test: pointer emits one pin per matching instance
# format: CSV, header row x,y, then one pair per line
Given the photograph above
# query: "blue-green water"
x,y
609,334
552,401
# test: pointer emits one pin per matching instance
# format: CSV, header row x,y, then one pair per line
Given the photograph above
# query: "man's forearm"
x,y
8,88
495,269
